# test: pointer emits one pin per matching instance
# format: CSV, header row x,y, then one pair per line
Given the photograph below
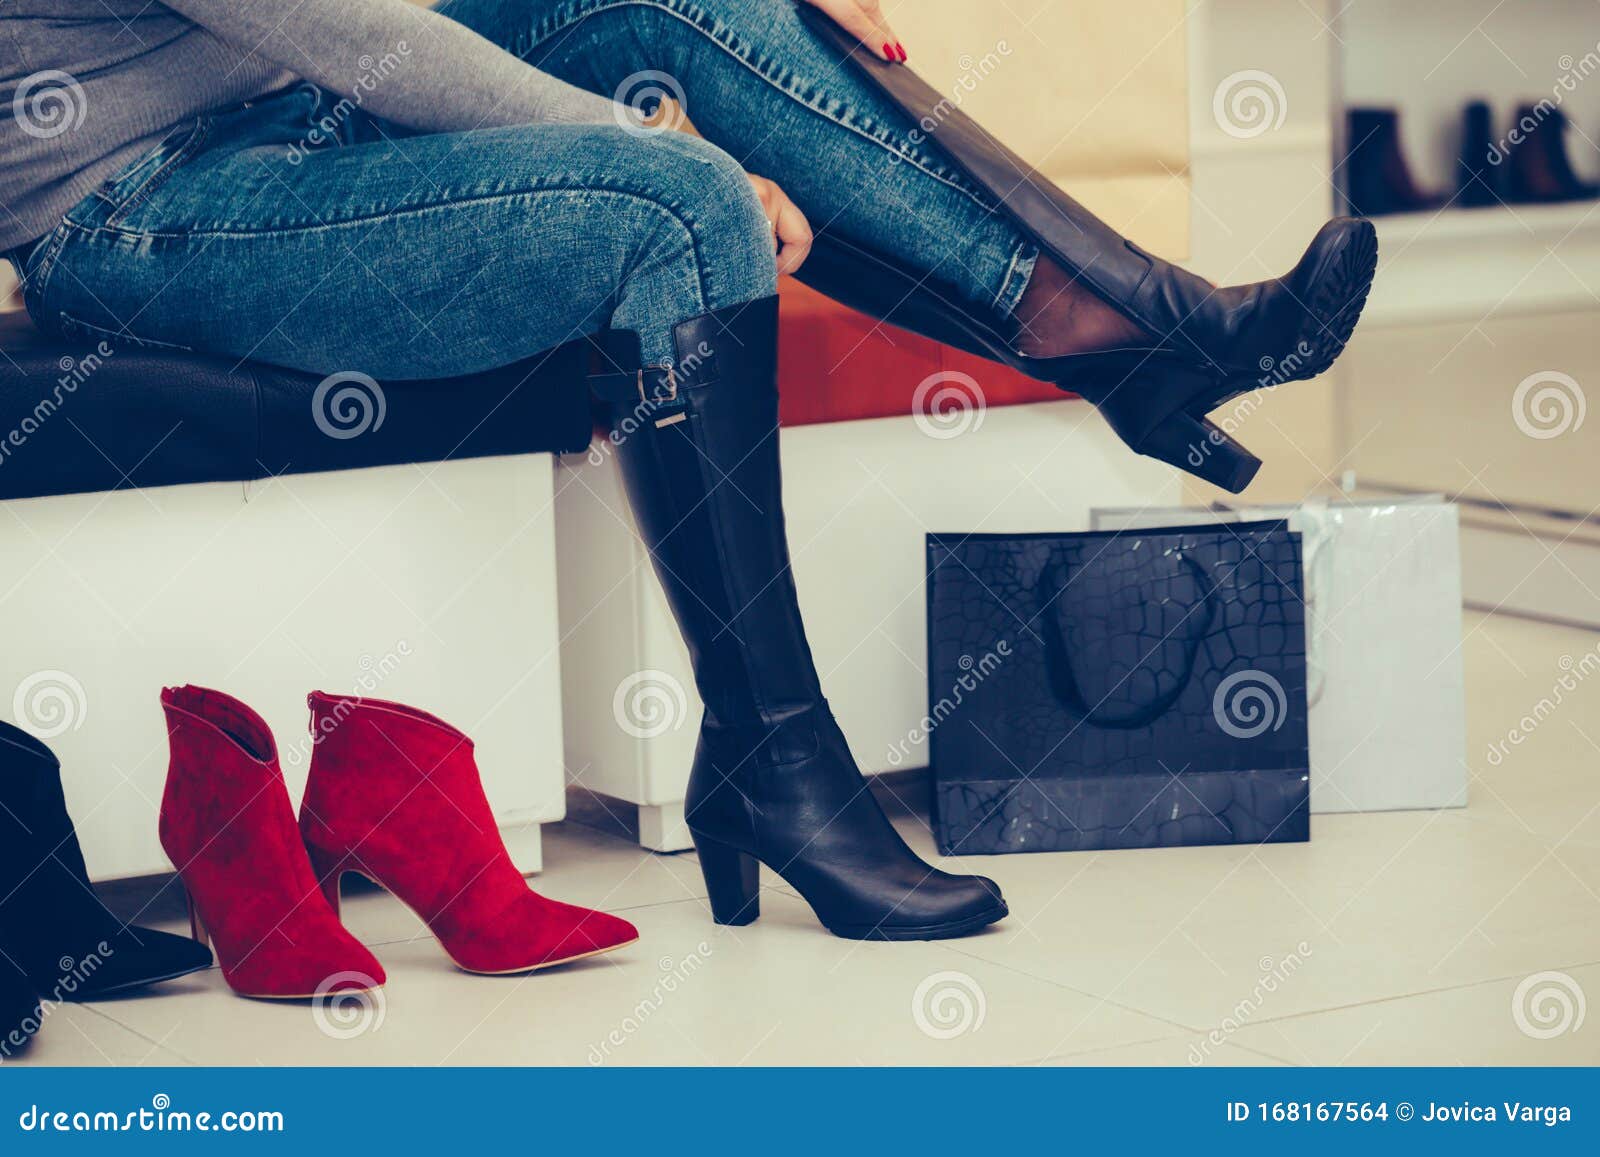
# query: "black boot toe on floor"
x,y
19,1008
52,923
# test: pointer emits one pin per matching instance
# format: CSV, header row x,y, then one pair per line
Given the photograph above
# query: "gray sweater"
x,y
87,86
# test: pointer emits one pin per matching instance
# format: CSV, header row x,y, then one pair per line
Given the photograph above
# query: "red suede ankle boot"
x,y
394,794
228,827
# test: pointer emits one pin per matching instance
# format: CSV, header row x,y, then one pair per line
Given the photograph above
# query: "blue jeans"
x,y
296,230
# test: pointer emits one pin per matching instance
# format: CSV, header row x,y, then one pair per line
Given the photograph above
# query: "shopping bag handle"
x,y
1058,660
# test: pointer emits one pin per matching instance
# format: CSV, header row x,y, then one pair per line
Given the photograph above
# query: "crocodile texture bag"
x,y
1121,689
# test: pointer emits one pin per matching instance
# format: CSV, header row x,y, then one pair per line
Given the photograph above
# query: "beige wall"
x,y
1092,92
1117,102
1258,199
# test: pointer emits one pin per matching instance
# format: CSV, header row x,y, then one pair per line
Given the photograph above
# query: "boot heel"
x,y
733,881
197,925
329,870
1202,448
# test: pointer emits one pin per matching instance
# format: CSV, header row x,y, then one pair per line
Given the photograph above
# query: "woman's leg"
x,y
414,257
990,261
772,778
759,84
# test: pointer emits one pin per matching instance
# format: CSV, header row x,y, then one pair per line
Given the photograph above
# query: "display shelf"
x,y
1466,265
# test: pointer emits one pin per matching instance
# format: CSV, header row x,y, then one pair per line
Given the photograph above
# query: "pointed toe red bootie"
x,y
394,794
229,828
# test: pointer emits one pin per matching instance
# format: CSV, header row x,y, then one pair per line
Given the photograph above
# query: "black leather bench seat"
x,y
77,416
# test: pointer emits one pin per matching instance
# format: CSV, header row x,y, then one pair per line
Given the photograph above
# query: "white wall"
x,y
1259,197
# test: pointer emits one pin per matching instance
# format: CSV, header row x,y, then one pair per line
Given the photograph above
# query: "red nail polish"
x,y
888,51
902,49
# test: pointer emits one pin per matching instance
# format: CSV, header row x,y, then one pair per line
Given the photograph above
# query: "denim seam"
x,y
69,322
682,219
905,150
1019,272
34,285
167,165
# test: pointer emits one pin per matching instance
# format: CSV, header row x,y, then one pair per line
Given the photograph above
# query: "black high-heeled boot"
x,y
19,1006
51,922
1205,345
773,779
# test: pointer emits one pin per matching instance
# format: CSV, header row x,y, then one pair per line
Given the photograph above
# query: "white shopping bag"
x,y
1384,681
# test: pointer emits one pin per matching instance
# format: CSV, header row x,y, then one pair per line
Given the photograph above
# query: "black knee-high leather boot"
x,y
773,779
1205,345
19,1006
52,925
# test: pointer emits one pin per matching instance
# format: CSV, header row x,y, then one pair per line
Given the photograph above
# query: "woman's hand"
x,y
864,20
791,232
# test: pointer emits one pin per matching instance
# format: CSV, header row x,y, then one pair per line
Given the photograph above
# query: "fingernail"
x,y
902,49
888,51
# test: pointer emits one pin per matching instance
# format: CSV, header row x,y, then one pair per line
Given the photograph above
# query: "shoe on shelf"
x,y
1479,172
229,829
52,923
394,794
1539,170
1377,176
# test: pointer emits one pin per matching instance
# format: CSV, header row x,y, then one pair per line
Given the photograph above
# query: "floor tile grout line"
x,y
1395,998
1081,1053
1075,990
99,1009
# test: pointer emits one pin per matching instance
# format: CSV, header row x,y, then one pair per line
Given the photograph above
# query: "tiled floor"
x,y
1397,938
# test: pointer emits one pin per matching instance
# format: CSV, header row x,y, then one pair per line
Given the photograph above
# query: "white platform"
x,y
859,496
430,585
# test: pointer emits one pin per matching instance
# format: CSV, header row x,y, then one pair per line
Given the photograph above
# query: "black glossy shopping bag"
x,y
1120,689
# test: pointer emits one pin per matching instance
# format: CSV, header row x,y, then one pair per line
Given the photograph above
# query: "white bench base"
x,y
433,585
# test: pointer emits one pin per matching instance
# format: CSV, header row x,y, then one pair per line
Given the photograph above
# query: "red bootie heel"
x,y
228,826
394,794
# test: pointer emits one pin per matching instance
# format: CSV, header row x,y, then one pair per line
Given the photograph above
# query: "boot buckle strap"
x,y
654,396
661,394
